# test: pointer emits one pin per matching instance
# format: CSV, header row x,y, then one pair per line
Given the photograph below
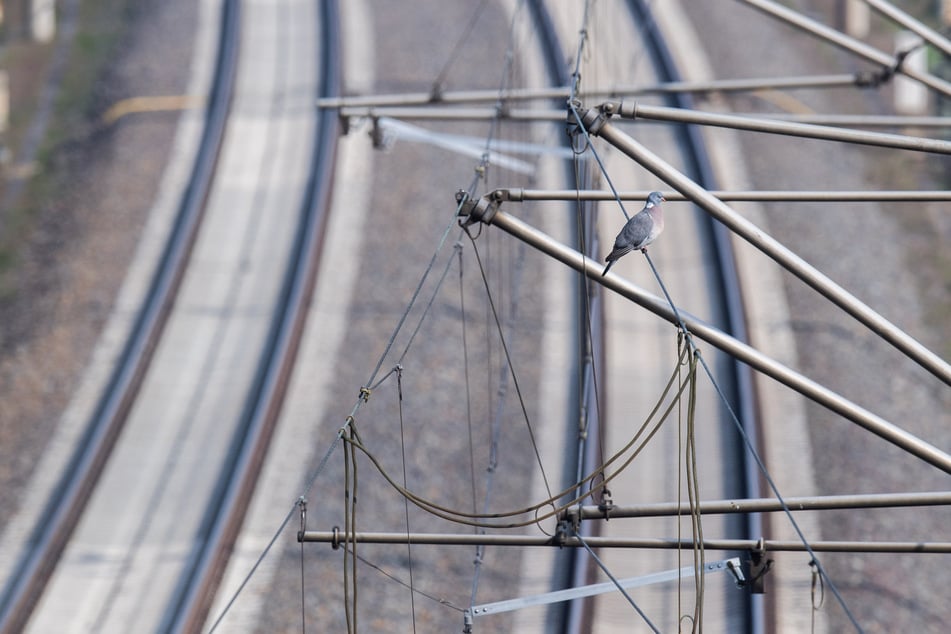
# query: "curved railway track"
x,y
62,511
192,587
579,615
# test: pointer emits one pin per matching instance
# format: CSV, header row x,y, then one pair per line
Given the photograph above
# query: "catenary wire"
x,y
589,146
614,580
409,546
473,519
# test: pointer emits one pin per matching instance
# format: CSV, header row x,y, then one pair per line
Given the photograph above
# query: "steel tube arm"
x,y
636,110
744,352
772,505
522,195
771,247
848,43
900,17
338,538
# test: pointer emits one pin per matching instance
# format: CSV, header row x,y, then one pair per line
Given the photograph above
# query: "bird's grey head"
x,y
655,198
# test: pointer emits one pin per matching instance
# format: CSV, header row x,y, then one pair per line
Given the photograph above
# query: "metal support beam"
x,y
771,505
524,195
801,125
489,213
636,110
598,125
898,16
733,565
861,121
435,113
850,44
563,92
337,538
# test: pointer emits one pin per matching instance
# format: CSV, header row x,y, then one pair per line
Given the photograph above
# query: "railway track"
x,y
67,579
51,533
568,570
580,615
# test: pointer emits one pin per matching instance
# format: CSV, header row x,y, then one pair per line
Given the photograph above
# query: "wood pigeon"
x,y
639,231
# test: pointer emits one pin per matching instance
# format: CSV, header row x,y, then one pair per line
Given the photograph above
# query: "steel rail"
x,y
187,613
636,110
771,505
898,16
789,196
850,44
63,510
742,351
337,538
737,384
570,569
770,246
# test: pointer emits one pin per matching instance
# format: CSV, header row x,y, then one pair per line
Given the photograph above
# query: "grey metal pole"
x,y
471,113
521,195
521,94
794,125
636,110
848,43
744,352
860,121
900,17
338,538
767,244
772,505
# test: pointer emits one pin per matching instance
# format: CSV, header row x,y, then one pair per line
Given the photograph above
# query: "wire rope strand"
x,y
775,489
510,364
460,41
254,568
429,306
303,527
409,546
574,111
462,517
416,292
614,580
681,347
465,365
347,531
752,450
394,578
693,485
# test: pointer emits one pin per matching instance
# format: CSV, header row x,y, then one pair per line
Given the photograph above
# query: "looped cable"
x,y
816,581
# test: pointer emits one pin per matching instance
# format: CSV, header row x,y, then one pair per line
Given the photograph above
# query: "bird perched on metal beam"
x,y
640,230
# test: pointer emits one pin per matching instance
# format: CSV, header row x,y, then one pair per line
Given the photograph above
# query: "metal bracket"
x,y
759,566
591,118
481,210
302,503
606,505
595,589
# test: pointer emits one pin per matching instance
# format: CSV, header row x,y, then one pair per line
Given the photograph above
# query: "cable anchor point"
x,y
481,210
302,503
759,566
606,505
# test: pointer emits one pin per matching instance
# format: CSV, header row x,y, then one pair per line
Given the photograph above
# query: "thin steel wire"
x,y
614,580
